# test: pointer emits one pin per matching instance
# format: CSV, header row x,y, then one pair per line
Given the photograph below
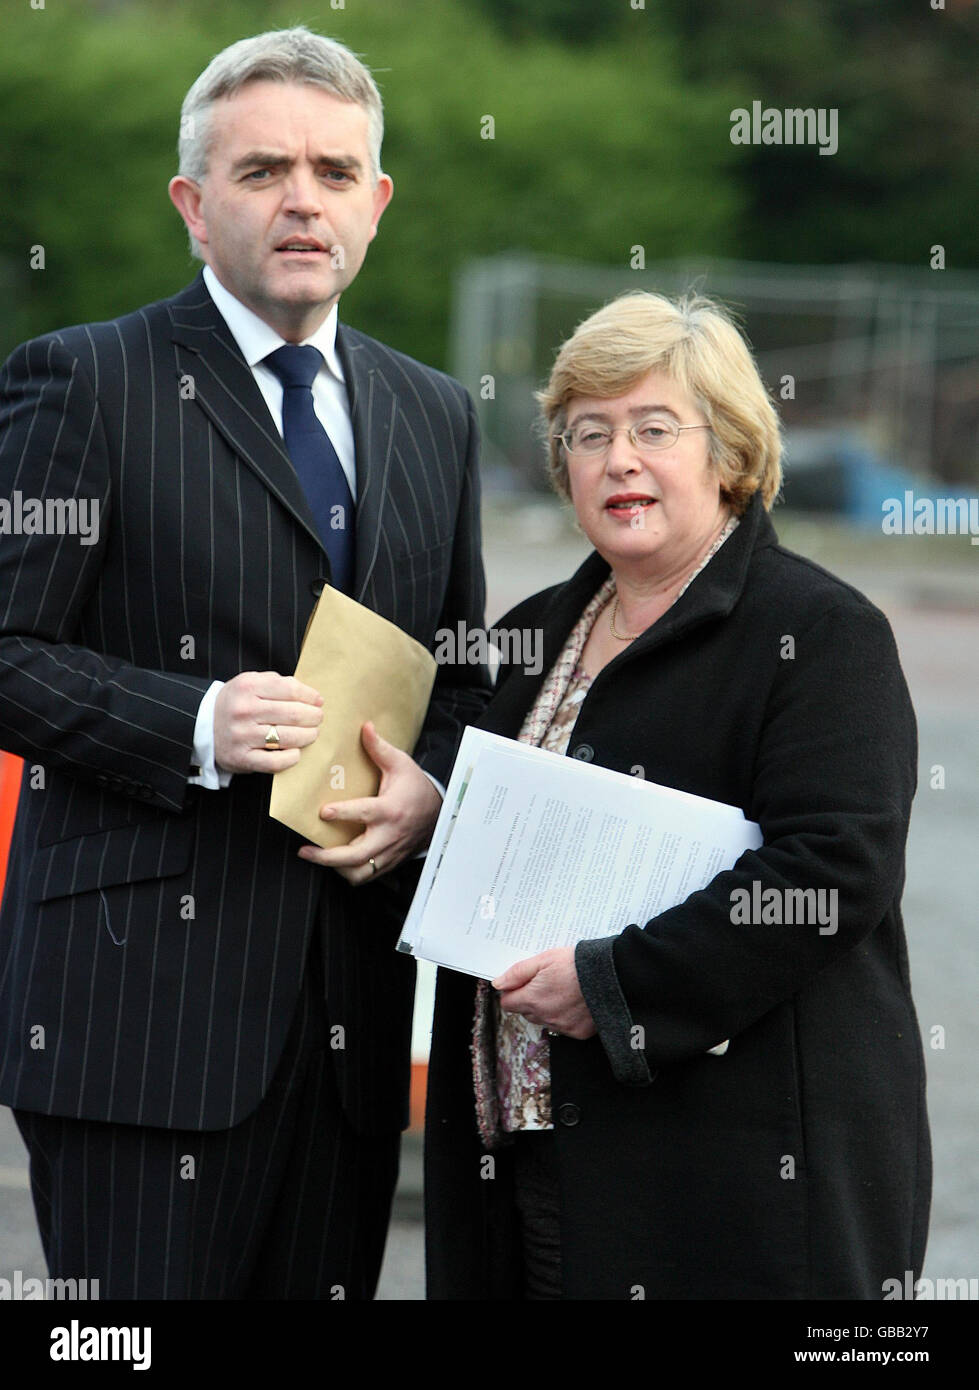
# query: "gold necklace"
x,y
622,636
631,637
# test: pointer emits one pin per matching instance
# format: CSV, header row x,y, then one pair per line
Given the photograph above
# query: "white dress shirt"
x,y
256,340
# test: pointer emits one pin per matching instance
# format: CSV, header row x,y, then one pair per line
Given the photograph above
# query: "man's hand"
x,y
398,821
251,704
545,990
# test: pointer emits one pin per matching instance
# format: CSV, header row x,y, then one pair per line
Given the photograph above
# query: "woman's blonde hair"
x,y
694,342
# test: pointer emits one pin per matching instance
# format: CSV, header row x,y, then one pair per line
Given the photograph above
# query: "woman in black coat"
x,y
588,1136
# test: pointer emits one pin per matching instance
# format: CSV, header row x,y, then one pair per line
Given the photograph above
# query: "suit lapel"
x,y
373,415
225,389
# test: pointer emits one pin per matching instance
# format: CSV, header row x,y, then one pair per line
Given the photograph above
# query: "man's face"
x,y
287,207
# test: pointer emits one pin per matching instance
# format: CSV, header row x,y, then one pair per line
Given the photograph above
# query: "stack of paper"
x,y
533,850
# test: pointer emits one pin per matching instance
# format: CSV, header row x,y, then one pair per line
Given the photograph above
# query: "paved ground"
x,y
932,600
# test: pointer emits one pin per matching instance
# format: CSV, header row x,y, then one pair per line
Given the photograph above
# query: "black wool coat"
x,y
798,1164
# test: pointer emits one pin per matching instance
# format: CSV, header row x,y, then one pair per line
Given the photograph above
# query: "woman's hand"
x,y
545,990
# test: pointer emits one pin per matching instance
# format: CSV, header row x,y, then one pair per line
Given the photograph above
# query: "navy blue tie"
x,y
315,459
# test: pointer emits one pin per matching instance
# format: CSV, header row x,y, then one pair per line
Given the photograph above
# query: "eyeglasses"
x,y
589,440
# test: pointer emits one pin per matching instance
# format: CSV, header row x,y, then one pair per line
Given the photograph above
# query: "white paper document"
x,y
534,850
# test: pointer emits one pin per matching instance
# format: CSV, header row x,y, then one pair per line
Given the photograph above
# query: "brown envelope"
x,y
366,669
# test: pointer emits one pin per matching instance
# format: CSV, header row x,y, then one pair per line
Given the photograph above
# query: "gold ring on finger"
x,y
272,737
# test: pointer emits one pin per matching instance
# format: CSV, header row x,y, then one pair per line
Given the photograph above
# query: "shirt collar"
x,y
257,339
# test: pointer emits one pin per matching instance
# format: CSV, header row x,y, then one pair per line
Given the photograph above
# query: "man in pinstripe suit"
x,y
204,1025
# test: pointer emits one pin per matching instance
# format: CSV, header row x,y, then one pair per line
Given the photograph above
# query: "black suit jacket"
x,y
153,934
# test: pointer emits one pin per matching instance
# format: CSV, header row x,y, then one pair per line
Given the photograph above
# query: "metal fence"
x,y
888,353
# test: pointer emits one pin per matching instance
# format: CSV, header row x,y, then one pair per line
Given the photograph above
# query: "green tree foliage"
x,y
902,75
593,151
89,120
611,129
572,21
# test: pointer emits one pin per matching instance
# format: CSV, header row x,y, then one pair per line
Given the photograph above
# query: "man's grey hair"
x,y
280,55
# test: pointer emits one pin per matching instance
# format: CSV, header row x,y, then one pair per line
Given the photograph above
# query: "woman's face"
x,y
651,511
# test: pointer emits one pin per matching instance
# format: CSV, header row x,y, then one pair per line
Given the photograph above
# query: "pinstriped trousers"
x,y
291,1203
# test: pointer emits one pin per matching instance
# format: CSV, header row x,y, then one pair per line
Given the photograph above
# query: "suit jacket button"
x,y
584,752
568,1114
318,585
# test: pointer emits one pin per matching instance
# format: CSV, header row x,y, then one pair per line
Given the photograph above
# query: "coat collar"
x,y
225,389
713,594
